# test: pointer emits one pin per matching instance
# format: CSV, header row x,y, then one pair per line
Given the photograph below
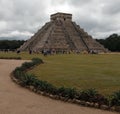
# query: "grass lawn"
x,y
101,72
23,55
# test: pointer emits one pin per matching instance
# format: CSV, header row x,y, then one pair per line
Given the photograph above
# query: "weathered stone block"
x,y
96,105
104,107
31,88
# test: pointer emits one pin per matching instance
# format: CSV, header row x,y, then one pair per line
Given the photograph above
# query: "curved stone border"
x,y
75,101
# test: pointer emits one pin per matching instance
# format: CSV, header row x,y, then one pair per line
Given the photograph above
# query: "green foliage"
x,y
10,44
37,61
43,86
19,71
112,42
115,98
88,95
27,79
69,93
27,65
92,95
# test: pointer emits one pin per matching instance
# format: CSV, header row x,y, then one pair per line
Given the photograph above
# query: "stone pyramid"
x,y
62,34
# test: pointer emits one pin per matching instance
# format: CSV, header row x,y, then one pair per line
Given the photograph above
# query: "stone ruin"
x,y
62,34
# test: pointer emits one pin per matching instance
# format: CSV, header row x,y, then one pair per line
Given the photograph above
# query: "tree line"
x,y
10,44
112,42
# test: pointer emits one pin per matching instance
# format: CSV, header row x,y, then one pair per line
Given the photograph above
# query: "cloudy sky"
x,y
22,18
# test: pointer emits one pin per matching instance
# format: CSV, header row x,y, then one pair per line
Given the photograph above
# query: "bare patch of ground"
x,y
17,100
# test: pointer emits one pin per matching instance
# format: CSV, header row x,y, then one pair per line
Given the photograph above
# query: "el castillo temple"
x,y
62,34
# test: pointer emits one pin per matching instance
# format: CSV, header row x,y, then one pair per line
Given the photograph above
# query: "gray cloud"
x,y
22,18
99,18
112,8
79,3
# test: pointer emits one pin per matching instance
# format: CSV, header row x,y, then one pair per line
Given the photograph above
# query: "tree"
x,y
10,44
112,42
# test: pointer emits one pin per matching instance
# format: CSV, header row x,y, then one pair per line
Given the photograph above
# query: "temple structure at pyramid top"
x,y
61,16
62,34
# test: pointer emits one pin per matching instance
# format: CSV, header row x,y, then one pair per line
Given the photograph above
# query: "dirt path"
x,y
17,100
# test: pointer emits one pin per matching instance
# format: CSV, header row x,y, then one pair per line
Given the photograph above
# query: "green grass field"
x,y
101,72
